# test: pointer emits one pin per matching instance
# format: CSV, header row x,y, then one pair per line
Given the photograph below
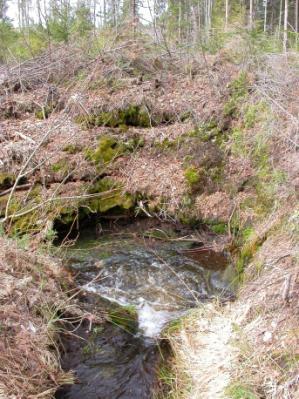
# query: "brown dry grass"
x,y
268,337
31,303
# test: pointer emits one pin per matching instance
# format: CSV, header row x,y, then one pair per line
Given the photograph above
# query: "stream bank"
x,y
143,285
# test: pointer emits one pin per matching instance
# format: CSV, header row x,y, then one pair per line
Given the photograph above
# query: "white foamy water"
x,y
151,321
160,291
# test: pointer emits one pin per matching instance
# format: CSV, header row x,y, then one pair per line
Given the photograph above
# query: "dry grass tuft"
x,y
31,303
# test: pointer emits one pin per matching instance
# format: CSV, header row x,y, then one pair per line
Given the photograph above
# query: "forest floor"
x,y
201,140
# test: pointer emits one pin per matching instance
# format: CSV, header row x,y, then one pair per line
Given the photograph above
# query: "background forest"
x,y
29,26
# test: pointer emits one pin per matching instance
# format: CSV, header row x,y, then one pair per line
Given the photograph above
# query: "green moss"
x,y
66,213
239,145
166,144
239,88
61,165
27,224
6,180
248,242
72,148
240,391
133,115
209,130
108,149
44,112
113,198
219,228
186,217
216,174
192,175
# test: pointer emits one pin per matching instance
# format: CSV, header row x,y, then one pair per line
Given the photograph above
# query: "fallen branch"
x,y
18,188
23,169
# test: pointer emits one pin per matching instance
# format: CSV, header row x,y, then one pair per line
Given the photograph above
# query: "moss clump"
x,y
240,391
112,197
59,166
6,180
66,214
44,112
249,242
26,224
133,115
239,89
3,202
209,131
193,176
108,149
72,148
219,228
166,144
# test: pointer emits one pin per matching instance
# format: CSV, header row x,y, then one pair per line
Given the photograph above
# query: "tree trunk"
x,y
251,14
265,15
280,18
226,14
296,16
285,26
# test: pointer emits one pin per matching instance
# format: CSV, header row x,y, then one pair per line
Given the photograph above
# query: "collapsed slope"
x,y
205,141
129,127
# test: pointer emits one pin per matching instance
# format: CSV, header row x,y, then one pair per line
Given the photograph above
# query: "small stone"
x,y
267,336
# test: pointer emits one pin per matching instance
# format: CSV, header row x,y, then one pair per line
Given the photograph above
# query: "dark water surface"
x,y
161,284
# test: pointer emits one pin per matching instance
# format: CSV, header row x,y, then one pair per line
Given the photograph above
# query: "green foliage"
x,y
43,113
238,91
82,24
8,36
167,377
124,317
61,165
60,23
192,176
133,115
240,391
208,131
107,150
72,148
113,196
6,180
253,113
219,228
260,42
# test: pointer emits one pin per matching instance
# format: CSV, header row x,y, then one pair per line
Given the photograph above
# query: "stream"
x,y
145,287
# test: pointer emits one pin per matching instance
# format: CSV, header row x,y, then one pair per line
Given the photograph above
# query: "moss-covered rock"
x,y
112,196
109,148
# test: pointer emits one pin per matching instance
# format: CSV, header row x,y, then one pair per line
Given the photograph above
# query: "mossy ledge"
x,y
133,115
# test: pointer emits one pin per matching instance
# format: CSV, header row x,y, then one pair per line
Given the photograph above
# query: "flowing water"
x,y
158,285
